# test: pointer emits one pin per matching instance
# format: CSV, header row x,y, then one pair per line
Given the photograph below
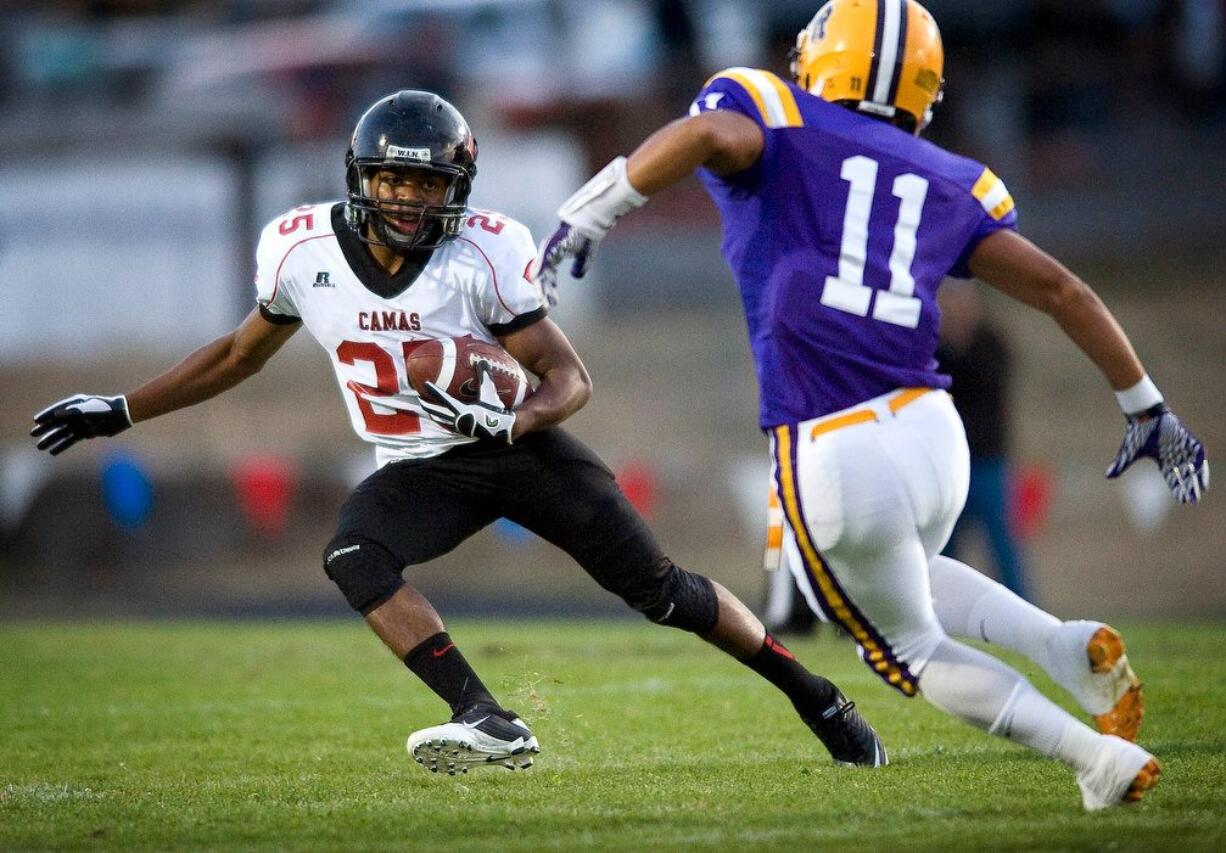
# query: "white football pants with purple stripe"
x,y
870,496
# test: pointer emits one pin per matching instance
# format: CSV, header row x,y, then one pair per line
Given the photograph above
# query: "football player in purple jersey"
x,y
839,224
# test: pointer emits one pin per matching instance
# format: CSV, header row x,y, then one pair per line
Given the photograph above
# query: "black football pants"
x,y
548,482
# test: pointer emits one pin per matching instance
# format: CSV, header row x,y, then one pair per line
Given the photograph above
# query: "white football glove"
x,y
587,216
61,425
485,419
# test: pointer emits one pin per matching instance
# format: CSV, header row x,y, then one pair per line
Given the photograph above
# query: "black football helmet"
x,y
410,129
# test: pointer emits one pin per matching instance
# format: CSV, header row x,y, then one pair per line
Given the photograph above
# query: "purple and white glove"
x,y
61,425
587,216
1153,431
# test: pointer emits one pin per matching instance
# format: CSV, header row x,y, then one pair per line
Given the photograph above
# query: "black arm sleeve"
x,y
277,319
523,321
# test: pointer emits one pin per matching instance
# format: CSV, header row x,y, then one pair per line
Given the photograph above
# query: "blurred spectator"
x,y
979,360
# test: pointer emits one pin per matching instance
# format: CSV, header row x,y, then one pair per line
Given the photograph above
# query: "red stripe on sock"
x,y
778,648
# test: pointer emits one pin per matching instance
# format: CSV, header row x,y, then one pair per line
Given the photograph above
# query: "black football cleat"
x,y
844,731
483,736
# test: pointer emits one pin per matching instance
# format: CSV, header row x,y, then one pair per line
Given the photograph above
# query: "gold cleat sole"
x,y
1106,655
1145,781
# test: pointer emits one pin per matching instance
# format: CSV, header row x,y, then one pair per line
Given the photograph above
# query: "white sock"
x,y
986,693
1031,718
970,604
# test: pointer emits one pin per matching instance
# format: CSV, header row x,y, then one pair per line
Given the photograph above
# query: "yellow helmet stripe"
x,y
992,193
773,99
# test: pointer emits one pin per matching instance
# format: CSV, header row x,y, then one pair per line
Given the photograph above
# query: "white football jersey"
x,y
310,265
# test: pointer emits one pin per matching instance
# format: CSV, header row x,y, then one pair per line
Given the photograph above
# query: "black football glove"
x,y
1158,434
61,425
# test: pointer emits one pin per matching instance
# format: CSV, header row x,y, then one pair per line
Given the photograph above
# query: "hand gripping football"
x,y
451,363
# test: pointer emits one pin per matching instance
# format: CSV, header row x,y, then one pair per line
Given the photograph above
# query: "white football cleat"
x,y
1122,774
483,736
1090,663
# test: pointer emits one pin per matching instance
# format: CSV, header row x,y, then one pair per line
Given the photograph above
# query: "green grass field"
x,y
290,735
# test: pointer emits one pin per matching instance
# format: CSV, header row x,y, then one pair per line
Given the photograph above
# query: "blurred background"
x,y
143,143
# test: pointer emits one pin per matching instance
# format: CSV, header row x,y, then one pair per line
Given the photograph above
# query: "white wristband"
x,y
596,205
1144,395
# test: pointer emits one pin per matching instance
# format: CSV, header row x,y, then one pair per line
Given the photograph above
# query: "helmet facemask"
x,y
433,224
928,111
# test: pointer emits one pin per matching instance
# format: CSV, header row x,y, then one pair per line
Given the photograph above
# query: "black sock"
x,y
776,664
438,663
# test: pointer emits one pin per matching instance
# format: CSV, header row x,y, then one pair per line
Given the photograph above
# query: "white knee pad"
x,y
969,684
986,693
969,604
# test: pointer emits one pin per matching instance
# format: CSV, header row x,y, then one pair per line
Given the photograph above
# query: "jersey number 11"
x,y
847,291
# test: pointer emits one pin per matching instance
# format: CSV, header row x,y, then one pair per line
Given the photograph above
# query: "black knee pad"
x,y
680,600
366,572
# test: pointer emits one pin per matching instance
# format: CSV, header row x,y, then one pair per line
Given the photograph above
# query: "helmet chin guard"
x,y
418,130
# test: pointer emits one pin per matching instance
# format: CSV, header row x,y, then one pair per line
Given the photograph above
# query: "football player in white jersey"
x,y
402,261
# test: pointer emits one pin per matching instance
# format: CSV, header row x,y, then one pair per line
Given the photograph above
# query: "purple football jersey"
x,y
839,237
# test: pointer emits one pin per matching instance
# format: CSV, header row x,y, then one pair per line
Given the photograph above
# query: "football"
x,y
451,363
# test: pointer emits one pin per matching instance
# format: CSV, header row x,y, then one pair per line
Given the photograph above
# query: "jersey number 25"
x,y
847,291
387,384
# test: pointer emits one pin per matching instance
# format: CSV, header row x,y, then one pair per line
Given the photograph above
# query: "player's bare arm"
x,y
215,367
565,386
1015,266
1018,268
723,142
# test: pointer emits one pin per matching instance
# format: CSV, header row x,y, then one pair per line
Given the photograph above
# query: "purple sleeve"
x,y
988,225
724,93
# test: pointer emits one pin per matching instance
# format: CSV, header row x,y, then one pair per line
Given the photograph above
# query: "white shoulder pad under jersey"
x,y
276,281
508,299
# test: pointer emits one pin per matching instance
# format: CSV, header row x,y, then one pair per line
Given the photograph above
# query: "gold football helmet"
x,y
883,56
